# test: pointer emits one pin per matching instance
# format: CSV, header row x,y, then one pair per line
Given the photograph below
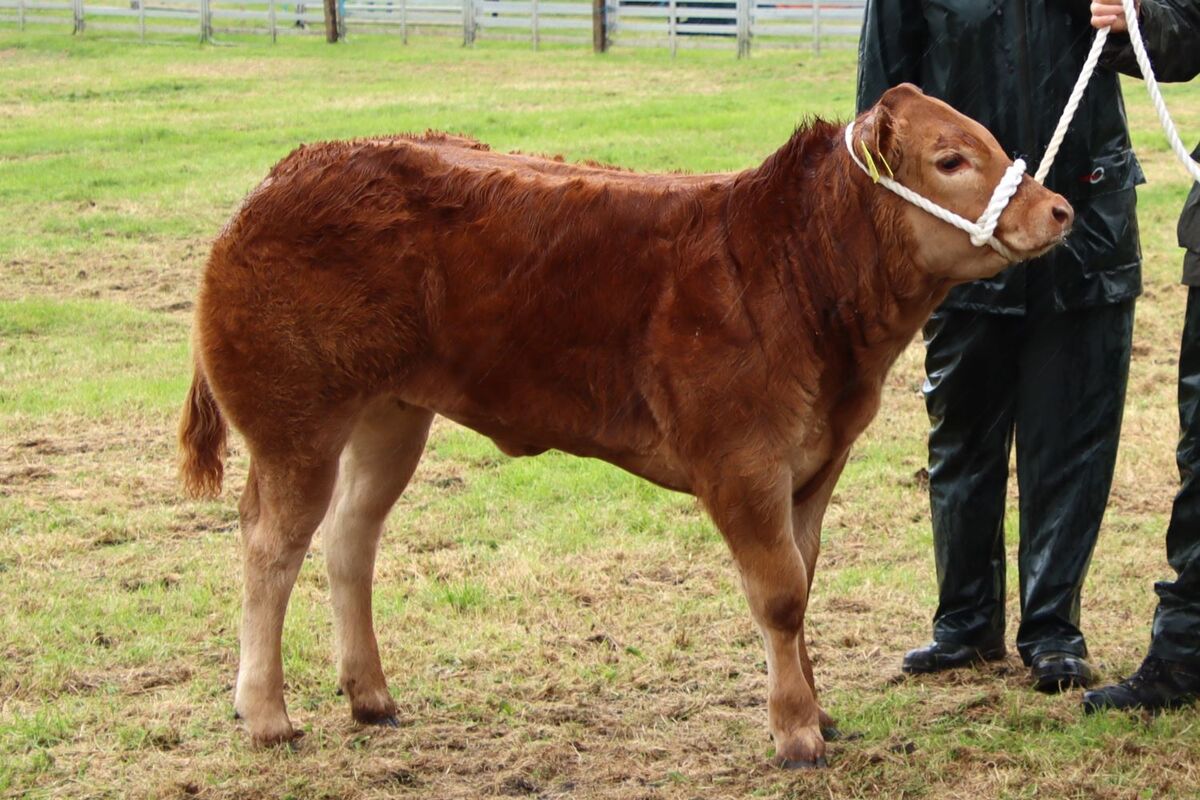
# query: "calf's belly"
x,y
550,419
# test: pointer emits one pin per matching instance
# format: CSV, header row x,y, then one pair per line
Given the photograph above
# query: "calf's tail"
x,y
202,433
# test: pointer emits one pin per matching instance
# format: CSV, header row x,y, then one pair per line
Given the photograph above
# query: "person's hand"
x,y
1107,13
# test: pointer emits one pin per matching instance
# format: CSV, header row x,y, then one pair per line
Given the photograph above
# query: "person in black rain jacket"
x,y
1170,674
1039,354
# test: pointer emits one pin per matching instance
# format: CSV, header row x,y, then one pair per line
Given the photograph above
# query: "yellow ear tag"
x,y
887,166
872,170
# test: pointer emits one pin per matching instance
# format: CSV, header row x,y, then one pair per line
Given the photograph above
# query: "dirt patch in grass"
x,y
86,459
155,275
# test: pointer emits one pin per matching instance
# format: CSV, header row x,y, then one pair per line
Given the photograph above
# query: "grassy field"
x,y
550,627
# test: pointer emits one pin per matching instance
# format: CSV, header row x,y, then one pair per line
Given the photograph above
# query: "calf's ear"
x,y
876,129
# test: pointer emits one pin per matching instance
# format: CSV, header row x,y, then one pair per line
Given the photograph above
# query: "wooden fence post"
x,y
672,23
599,26
331,21
816,12
404,21
533,23
205,21
142,19
468,23
274,23
77,13
743,28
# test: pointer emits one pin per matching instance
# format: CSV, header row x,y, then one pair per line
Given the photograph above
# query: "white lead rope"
x,y
1143,60
1089,66
981,231
1064,121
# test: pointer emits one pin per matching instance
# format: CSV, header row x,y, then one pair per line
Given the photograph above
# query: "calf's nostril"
x,y
1062,215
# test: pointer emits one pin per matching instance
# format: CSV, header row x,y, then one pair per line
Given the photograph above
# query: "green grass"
x,y
549,623
87,357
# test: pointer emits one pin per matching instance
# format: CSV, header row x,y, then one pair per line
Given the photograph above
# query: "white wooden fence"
x,y
733,24
405,16
715,23
204,18
535,20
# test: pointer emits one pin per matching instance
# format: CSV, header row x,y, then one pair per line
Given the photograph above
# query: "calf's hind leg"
x,y
284,501
376,464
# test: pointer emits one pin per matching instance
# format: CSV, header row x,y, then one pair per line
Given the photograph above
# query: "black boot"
x,y
937,656
1157,685
1054,672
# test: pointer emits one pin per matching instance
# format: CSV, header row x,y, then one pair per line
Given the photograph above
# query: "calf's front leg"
x,y
754,514
808,512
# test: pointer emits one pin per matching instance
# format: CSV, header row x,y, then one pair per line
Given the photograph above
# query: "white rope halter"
x,y
982,229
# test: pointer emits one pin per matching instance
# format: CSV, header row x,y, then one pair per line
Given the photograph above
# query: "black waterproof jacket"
x,y
1171,29
1010,64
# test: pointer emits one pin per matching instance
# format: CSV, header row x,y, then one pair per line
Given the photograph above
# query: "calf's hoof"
x,y
383,719
833,734
372,706
264,736
830,731
267,729
803,749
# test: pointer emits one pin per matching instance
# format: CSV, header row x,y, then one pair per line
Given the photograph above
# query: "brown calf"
x,y
724,335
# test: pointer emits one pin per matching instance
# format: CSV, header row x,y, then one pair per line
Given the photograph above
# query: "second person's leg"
x,y
1071,399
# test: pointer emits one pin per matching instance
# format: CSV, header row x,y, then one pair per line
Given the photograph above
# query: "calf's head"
x,y
955,162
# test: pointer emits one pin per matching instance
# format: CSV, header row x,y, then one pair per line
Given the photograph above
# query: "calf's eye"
x,y
951,163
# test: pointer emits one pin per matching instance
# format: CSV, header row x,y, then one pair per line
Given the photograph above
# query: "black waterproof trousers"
x,y
1054,381
1176,632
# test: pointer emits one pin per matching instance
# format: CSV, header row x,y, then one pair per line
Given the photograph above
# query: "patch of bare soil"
x,y
155,275
129,461
24,475
126,681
